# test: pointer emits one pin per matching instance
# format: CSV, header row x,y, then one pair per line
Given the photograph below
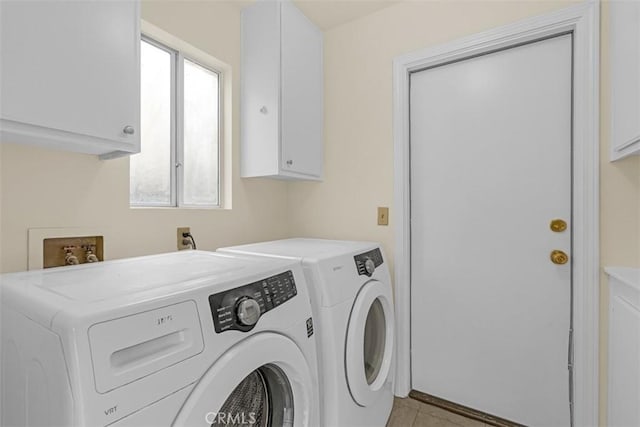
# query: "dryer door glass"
x,y
263,399
374,340
369,343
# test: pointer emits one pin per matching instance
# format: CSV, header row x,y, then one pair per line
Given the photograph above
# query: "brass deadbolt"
x,y
558,225
559,257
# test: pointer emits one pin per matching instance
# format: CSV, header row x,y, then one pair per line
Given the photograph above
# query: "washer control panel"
x,y
239,309
367,262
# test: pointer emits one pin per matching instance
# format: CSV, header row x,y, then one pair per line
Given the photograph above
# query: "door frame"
x,y
583,21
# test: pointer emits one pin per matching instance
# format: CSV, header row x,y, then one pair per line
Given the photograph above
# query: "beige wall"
x,y
41,188
358,109
358,130
44,188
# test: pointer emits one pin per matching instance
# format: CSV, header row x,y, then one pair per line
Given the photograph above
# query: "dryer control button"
x,y
370,266
248,311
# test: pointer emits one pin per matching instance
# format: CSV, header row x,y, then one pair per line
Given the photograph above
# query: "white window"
x,y
179,162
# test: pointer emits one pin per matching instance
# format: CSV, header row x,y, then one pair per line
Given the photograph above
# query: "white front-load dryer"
x,y
183,339
352,303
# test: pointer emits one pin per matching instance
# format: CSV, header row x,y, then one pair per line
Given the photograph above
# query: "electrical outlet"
x,y
383,215
181,238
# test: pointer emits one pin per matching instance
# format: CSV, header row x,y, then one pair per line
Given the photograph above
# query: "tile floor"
x,y
412,413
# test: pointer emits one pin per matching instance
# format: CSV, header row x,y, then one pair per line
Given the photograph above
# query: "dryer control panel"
x,y
239,309
367,262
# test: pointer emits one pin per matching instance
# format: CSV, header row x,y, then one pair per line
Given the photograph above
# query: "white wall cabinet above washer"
x,y
282,85
624,27
70,75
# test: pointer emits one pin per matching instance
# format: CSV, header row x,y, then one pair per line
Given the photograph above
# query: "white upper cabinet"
x,y
624,30
282,86
70,75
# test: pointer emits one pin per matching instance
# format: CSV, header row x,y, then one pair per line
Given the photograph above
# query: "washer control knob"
x,y
248,311
370,266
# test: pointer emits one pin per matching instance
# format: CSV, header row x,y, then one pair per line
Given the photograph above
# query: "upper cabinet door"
x,y
624,28
301,92
71,75
282,87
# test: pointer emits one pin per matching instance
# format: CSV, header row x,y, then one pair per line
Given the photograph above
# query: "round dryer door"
x,y
369,344
263,381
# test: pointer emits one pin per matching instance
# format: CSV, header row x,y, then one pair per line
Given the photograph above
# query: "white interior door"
x,y
490,169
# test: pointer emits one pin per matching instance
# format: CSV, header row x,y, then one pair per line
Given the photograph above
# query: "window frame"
x,y
179,52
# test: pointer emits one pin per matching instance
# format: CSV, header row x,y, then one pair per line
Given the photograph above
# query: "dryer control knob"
x,y
370,266
248,311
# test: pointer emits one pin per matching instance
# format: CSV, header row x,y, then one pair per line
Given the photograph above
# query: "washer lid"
x,y
307,249
333,265
109,279
262,364
43,293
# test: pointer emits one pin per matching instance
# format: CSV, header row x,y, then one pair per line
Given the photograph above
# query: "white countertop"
x,y
627,275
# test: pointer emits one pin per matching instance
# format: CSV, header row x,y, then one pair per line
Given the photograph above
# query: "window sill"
x,y
186,208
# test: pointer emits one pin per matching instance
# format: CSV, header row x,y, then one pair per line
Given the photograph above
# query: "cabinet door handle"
x,y
289,162
129,130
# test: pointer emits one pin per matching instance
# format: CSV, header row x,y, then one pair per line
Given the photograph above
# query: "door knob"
x,y
559,257
558,225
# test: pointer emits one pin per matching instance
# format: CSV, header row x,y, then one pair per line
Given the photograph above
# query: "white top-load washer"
x,y
352,304
182,339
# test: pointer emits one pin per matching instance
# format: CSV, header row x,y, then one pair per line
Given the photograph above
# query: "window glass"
x,y
179,162
200,143
150,173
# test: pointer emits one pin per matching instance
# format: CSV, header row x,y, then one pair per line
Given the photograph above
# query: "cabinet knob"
x,y
264,110
129,130
289,162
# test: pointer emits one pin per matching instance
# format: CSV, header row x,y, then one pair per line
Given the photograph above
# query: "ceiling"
x,y
327,14
331,13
